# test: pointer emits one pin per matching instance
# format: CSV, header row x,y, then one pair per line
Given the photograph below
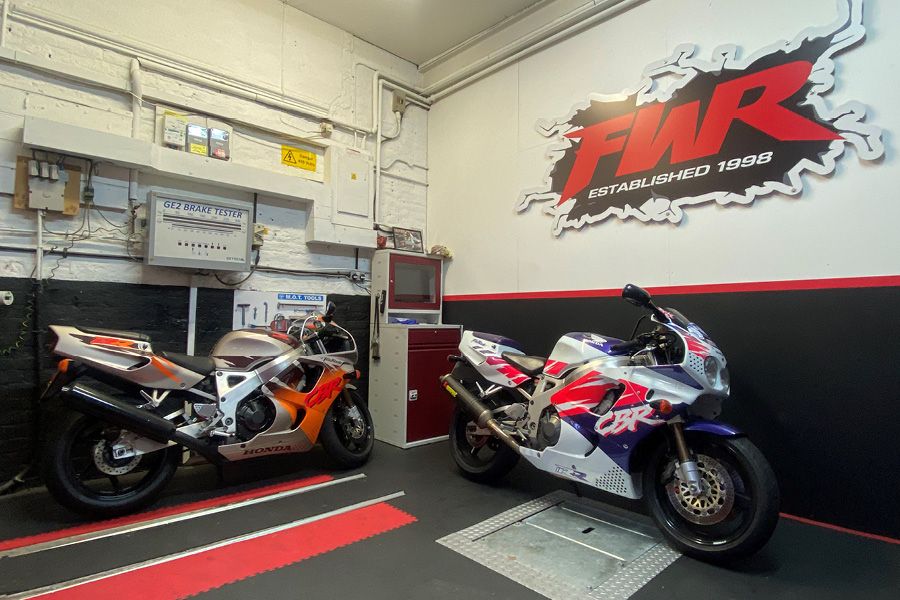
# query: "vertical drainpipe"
x,y
377,125
137,95
39,247
4,19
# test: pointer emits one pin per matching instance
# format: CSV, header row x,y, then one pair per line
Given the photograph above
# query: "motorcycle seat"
x,y
198,364
530,365
117,333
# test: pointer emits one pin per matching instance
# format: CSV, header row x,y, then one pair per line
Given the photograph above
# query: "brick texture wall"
x,y
17,381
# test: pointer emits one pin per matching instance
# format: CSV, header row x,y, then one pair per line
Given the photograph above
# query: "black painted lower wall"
x,y
160,311
814,382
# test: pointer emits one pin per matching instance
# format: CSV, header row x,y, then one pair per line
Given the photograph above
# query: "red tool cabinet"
x,y
407,403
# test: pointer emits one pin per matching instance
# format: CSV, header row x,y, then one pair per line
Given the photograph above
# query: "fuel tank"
x,y
577,347
247,348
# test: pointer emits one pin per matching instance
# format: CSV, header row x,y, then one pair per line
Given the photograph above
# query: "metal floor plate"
x,y
566,547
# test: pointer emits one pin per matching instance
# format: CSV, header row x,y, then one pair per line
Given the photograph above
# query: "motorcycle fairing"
x,y
485,355
574,457
575,348
285,435
598,448
130,359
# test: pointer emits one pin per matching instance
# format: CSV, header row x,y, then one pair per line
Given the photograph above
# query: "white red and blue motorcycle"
x,y
634,418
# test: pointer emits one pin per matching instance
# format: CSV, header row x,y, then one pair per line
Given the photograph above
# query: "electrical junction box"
x,y
174,131
351,179
199,233
47,191
219,143
197,139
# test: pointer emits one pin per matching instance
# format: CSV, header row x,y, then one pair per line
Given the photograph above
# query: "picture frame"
x,y
409,240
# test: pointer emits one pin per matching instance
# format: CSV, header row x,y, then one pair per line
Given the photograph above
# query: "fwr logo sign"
x,y
727,130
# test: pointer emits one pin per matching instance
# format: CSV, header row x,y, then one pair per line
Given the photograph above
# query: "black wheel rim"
x,y
740,516
353,426
90,480
475,450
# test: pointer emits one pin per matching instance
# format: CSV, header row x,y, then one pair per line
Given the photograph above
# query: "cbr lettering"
x,y
616,422
322,392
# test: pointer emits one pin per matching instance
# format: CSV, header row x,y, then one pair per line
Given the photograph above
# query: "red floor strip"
x,y
162,512
201,572
863,534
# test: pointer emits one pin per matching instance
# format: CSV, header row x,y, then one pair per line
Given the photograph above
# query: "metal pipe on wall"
x,y
192,320
4,19
47,21
526,47
137,97
39,247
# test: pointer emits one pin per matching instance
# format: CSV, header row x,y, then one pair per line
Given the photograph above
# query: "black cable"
x,y
638,324
23,328
65,255
249,275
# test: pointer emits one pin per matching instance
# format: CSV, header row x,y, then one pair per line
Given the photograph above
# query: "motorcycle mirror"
x,y
329,312
636,295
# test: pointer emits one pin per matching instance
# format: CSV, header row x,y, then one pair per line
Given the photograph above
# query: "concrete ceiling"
x,y
415,30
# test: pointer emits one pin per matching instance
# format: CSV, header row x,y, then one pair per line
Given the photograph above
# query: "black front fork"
x,y
688,470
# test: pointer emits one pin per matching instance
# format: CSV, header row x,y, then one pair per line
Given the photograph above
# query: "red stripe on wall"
x,y
709,288
201,572
162,512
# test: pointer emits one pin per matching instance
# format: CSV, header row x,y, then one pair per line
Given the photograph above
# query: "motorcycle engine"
x,y
548,428
253,415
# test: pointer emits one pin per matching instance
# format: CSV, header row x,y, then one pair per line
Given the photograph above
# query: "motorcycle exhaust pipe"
x,y
477,410
106,408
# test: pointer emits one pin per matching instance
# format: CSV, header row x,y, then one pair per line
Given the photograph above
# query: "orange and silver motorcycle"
x,y
259,393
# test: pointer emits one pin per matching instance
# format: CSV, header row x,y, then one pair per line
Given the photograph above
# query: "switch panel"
x,y
199,233
197,139
219,143
174,131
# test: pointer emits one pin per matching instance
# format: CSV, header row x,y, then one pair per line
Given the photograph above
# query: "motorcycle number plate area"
x,y
566,547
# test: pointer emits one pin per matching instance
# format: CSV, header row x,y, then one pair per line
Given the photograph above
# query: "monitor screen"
x,y
415,283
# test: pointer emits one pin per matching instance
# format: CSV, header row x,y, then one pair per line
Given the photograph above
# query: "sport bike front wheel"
x,y
347,432
81,473
737,510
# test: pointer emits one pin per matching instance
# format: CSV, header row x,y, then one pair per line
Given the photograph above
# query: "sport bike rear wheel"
x,y
479,455
737,510
347,432
82,475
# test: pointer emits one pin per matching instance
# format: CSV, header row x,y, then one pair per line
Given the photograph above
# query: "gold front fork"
x,y
688,470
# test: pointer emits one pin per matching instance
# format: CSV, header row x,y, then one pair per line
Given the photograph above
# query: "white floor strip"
x,y
156,561
606,522
96,535
568,539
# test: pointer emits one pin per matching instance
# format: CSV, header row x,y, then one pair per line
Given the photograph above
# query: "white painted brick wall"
x,y
272,46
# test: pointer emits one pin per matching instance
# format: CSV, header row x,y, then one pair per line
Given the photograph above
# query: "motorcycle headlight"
x,y
724,378
711,369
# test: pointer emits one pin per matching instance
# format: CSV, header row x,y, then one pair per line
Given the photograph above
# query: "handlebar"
x,y
327,331
634,345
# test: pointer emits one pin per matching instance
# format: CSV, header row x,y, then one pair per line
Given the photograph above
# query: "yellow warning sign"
x,y
298,157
